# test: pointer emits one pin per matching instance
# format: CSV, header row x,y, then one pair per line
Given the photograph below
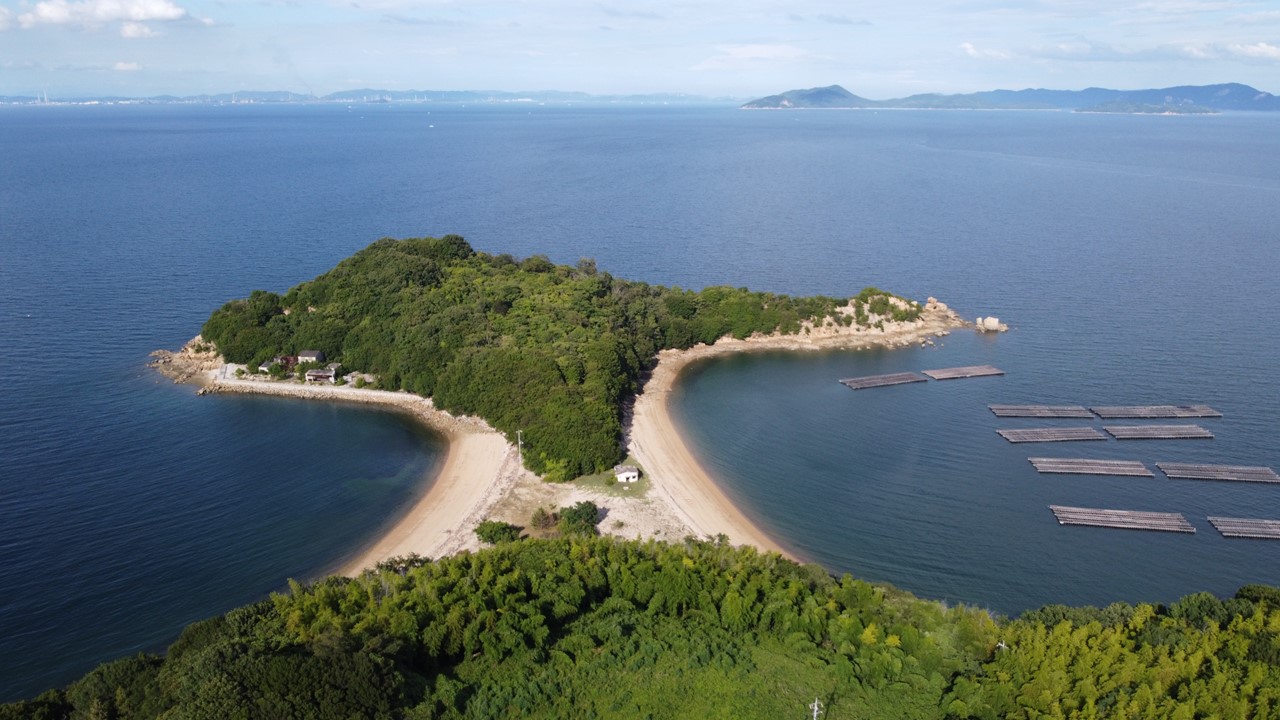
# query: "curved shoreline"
x,y
478,467
481,467
680,479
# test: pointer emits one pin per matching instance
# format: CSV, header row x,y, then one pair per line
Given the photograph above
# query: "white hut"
x,y
626,473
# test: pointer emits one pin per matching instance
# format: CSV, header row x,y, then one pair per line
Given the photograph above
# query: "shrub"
x,y
580,519
496,531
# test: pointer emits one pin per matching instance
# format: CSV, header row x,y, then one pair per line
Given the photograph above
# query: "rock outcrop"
x,y
193,362
990,324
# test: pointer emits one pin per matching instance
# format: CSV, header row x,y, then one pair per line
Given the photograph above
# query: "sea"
x,y
1134,258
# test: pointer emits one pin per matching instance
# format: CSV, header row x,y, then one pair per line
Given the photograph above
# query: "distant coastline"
x,y
1184,99
481,467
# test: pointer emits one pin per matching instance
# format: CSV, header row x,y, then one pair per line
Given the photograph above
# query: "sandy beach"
x,y
481,476
479,468
678,477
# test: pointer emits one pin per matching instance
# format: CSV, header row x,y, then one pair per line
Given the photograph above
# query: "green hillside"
x,y
602,628
553,350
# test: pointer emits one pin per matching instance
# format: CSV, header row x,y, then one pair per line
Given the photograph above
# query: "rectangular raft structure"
x,y
969,371
1247,528
1122,519
1089,466
1051,434
1155,411
1041,411
1157,432
870,381
1241,473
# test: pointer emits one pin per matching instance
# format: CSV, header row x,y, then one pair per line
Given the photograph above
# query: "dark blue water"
x,y
1134,256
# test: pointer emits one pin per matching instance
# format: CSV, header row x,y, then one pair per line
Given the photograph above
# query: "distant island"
x,y
1185,99
1173,100
373,96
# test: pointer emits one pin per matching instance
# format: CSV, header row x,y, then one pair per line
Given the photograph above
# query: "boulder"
x,y
990,324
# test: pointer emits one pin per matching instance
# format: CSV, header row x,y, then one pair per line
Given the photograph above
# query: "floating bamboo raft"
x,y
1157,432
1041,411
1051,434
1086,466
1123,519
1247,528
870,381
968,371
1240,473
1156,411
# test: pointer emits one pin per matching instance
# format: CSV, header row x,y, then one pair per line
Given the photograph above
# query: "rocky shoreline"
x,y
195,362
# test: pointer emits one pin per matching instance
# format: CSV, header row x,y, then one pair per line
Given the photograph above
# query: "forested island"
x,y
552,351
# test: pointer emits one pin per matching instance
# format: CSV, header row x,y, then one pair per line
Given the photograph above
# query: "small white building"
x,y
311,356
626,473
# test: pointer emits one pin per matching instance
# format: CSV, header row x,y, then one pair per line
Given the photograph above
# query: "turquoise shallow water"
x,y
1134,257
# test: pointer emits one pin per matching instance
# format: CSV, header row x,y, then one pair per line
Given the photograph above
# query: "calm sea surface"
x,y
1134,257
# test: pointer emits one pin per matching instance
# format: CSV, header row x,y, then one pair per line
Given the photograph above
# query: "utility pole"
x,y
816,707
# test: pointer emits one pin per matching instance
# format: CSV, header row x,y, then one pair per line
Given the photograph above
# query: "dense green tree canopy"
x,y
553,350
597,627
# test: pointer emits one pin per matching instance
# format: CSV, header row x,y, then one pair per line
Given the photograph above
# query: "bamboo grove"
x,y
595,627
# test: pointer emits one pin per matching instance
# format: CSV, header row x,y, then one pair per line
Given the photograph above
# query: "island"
x,y
1171,100
532,371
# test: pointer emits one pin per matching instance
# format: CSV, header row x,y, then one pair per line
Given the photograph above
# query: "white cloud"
x,y
126,67
90,13
974,52
5,22
739,57
135,30
1261,51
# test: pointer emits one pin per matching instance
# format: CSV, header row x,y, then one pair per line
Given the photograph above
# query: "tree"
x,y
542,519
495,531
579,519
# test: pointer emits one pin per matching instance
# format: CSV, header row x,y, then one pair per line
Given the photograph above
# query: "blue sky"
x,y
745,48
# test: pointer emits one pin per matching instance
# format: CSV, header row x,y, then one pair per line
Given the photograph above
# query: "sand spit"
x,y
481,476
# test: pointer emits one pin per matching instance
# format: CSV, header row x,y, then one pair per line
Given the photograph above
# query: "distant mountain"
x,y
830,97
1229,96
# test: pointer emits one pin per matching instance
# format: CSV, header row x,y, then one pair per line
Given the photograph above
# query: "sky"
x,y
740,49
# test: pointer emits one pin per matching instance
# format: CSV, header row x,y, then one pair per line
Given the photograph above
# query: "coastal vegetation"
x,y
552,350
586,626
